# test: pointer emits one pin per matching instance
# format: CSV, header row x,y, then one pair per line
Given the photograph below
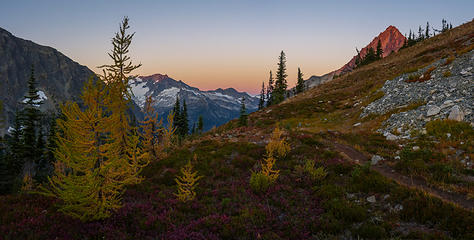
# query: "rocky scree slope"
x,y
447,94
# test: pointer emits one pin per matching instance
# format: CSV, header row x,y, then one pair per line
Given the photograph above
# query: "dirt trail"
x,y
411,182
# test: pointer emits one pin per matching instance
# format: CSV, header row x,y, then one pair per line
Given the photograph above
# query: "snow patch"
x,y
194,92
140,91
169,93
222,97
42,97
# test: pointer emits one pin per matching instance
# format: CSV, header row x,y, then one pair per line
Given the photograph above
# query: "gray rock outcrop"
x,y
447,94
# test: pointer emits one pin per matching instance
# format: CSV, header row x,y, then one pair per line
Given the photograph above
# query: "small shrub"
x,y
27,184
370,231
447,74
442,172
365,180
411,70
316,174
376,96
259,182
413,78
345,211
414,161
425,77
330,191
449,60
465,50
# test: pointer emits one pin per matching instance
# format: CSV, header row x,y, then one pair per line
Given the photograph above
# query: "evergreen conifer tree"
x,y
300,82
427,30
261,102
369,57
30,119
358,60
200,126
177,116
184,120
421,36
243,113
16,154
279,91
270,90
6,178
379,53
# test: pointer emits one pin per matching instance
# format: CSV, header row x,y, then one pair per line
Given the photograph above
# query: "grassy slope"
x,y
296,207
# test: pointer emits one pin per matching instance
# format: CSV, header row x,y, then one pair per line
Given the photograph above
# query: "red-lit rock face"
x,y
155,77
391,40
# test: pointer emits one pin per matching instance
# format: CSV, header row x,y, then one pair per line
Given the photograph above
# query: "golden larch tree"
x,y
151,129
277,148
187,182
98,152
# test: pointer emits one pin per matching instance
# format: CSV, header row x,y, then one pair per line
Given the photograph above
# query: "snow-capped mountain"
x,y
216,106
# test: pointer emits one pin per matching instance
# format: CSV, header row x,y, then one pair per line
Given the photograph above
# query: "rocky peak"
x,y
391,40
155,77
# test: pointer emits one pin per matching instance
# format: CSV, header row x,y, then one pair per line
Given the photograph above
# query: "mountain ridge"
x,y
216,106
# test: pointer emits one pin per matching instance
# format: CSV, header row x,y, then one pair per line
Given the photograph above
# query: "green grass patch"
x,y
457,130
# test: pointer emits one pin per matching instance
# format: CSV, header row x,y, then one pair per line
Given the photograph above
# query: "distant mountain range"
x,y
216,106
391,40
59,79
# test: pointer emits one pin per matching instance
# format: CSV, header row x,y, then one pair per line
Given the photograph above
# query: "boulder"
x,y
433,110
447,103
391,137
371,199
456,113
375,159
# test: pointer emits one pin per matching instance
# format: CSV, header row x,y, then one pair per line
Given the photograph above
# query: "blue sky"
x,y
211,44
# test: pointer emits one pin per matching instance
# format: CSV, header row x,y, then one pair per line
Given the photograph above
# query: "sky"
x,y
220,44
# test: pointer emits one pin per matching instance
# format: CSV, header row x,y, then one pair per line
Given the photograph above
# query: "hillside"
x,y
414,187
59,78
